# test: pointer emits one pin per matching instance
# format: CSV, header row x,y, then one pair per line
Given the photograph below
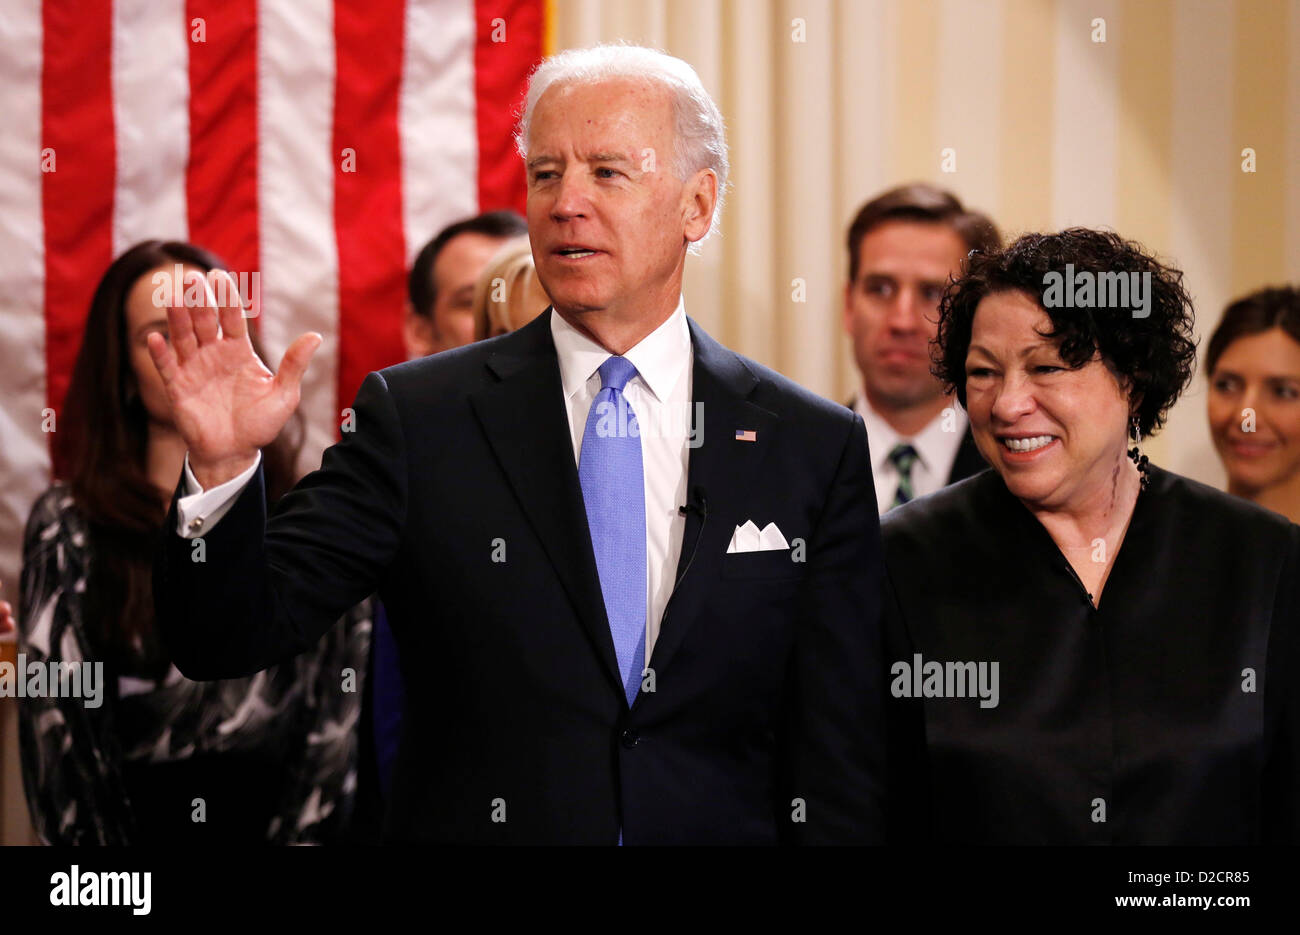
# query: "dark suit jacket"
x,y
1173,705
968,462
768,703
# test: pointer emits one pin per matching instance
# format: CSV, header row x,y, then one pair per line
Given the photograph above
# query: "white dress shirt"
x,y
936,450
660,395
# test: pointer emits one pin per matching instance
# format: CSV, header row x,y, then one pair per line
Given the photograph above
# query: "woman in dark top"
x,y
157,757
1086,649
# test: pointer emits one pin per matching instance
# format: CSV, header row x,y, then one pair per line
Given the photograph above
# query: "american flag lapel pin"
x,y
746,435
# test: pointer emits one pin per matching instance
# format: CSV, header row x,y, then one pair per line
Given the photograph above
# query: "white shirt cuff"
x,y
198,510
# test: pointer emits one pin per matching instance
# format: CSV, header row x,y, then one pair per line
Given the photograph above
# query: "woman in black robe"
x,y
1086,649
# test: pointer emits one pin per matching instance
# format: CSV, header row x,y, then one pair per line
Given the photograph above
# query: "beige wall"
x,y
1142,133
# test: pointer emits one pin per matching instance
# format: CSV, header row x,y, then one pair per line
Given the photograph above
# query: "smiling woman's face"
x,y
1257,375
1056,435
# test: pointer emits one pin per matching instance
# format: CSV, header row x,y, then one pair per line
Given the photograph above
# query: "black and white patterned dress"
x,y
270,757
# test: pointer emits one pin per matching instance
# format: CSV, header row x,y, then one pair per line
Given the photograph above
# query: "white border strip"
x,y
151,99
437,119
24,456
299,253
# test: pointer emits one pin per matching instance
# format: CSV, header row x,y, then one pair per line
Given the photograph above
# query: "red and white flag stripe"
x,y
317,143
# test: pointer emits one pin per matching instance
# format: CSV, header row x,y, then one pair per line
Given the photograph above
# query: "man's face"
x,y
891,310
608,219
454,273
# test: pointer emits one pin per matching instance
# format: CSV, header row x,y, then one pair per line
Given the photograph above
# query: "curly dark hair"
x,y
1155,353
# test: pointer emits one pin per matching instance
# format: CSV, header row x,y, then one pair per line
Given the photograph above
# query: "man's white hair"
x,y
700,136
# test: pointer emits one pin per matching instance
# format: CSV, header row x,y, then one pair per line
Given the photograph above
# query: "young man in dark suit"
x,y
903,246
633,576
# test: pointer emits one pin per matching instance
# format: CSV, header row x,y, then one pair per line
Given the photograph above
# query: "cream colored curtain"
x,y
1130,114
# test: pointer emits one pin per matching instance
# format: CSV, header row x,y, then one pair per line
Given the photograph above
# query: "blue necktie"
x,y
613,489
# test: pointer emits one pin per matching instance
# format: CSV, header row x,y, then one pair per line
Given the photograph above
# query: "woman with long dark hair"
x,y
157,757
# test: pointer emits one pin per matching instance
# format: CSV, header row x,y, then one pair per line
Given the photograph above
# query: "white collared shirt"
x,y
660,395
936,451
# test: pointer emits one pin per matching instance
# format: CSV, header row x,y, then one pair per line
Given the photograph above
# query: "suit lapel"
x,y
724,469
969,461
524,418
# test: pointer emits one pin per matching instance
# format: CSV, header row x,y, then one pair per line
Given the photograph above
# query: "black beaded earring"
x,y
1139,459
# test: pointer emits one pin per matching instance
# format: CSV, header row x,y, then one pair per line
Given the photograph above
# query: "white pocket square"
x,y
748,538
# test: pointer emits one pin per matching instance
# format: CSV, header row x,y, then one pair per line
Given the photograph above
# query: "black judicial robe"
x,y
1166,715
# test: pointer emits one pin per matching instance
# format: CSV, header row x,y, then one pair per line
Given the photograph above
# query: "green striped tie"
x,y
903,457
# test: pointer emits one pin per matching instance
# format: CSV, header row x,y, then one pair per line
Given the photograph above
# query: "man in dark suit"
x,y
903,246
615,624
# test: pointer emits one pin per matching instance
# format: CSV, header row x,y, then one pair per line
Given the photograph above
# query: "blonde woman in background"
x,y
508,294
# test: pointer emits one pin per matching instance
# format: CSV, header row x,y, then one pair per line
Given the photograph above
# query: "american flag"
x,y
746,435
316,143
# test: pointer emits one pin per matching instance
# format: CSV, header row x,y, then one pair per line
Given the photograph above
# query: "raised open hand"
x,y
225,402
